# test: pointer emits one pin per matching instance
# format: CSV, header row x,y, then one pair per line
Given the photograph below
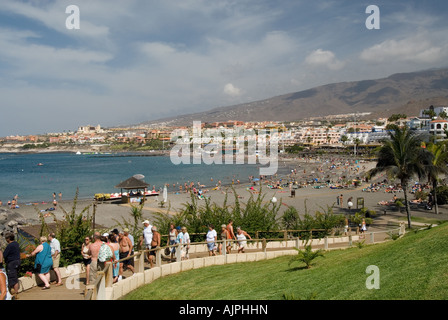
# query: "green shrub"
x,y
306,256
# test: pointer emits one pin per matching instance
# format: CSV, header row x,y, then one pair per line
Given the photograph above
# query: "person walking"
x,y
116,266
127,234
350,204
211,238
232,236
11,258
186,246
43,261
147,236
155,243
56,256
242,236
341,201
180,239
86,257
346,226
125,252
225,236
94,248
172,240
363,226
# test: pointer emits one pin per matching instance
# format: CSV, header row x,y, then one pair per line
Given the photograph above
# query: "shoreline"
x,y
311,197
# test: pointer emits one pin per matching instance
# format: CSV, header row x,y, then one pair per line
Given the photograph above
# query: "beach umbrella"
x,y
165,194
139,176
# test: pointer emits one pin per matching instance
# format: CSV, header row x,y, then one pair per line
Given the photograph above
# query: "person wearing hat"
x,y
147,236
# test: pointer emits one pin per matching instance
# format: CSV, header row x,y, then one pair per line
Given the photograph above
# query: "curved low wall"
x,y
123,287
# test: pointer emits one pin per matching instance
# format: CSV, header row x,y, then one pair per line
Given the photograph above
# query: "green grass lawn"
x,y
413,267
423,220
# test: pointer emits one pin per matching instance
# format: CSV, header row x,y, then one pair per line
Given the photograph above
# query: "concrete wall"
x,y
125,286
26,283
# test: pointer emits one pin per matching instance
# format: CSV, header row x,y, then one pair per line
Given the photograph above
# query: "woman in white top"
x,y
363,226
4,292
241,237
211,240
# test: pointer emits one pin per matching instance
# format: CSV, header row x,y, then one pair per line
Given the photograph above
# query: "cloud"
x,y
324,58
231,90
53,16
418,49
165,58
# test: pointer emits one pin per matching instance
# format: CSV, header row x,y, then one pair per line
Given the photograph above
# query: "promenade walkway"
x,y
74,287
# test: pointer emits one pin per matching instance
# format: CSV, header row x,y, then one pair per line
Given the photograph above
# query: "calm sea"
x,y
64,172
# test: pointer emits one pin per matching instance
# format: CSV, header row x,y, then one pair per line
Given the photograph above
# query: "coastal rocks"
x,y
9,221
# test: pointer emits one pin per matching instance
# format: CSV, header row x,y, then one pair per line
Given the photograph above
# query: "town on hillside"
x,y
331,131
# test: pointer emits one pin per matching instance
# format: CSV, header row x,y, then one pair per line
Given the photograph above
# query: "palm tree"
x,y
401,157
436,165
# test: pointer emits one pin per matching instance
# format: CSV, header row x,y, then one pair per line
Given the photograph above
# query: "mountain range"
x,y
405,93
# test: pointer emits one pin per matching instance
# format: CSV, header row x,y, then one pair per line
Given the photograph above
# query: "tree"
x,y
396,117
400,156
443,115
429,112
436,164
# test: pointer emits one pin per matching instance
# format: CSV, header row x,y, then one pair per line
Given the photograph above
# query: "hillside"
x,y
399,93
410,268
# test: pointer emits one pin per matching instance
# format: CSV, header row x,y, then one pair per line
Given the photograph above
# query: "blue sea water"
x,y
63,172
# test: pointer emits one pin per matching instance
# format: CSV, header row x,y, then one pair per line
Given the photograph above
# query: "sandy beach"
x,y
315,196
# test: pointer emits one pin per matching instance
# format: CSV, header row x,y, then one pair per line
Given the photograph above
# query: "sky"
x,y
137,60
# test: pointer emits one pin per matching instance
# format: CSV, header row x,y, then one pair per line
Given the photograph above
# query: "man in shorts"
x,y
155,243
125,252
56,255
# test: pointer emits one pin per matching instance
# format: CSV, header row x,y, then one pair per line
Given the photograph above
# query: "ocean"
x,y
21,174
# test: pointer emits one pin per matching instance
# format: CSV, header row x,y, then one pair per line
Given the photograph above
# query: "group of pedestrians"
x,y
101,248
47,253
117,245
227,234
176,236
